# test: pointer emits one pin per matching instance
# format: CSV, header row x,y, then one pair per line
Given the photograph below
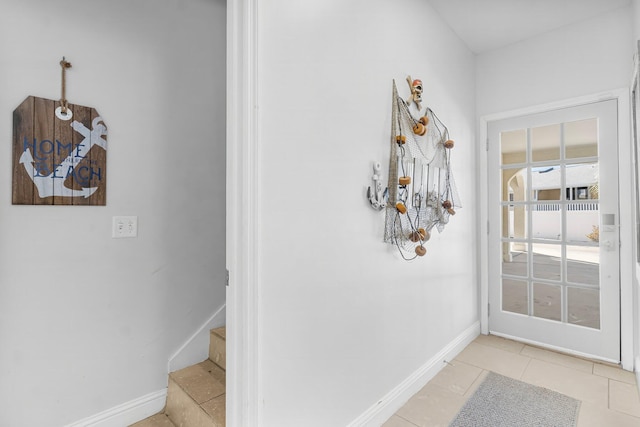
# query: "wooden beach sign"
x,y
59,156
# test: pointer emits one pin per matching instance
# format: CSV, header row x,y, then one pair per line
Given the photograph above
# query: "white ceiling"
x,y
490,24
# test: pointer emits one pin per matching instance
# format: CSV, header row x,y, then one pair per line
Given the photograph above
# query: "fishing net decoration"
x,y
422,191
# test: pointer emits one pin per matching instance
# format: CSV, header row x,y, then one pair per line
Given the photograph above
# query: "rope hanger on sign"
x,y
63,112
63,100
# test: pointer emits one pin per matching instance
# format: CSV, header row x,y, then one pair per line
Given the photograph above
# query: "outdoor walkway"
x,y
583,304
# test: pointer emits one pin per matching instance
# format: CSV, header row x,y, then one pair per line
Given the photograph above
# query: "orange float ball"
x,y
446,204
424,233
401,139
401,207
448,144
424,120
419,129
405,180
421,250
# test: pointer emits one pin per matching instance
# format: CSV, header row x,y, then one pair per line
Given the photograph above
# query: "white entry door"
x,y
553,229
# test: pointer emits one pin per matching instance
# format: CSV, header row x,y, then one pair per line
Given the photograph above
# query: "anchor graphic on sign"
x,y
52,184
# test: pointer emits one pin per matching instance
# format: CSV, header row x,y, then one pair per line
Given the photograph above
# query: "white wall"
x,y
635,5
573,61
88,322
343,319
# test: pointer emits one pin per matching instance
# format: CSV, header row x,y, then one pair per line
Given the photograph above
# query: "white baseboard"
x,y
196,348
128,412
392,401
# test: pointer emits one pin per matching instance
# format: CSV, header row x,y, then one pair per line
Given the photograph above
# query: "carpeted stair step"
x,y
218,347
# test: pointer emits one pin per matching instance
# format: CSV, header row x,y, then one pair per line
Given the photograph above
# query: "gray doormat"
x,y
504,402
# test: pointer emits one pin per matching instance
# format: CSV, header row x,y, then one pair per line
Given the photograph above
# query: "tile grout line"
x,y
525,368
553,362
473,382
209,400
468,395
400,416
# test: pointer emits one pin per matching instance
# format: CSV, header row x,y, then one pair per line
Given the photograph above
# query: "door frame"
x,y
601,342
622,96
242,216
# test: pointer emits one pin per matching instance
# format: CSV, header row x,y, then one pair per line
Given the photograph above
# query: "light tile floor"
x,y
609,395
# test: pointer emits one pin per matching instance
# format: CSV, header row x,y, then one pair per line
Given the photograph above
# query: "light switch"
x,y
124,226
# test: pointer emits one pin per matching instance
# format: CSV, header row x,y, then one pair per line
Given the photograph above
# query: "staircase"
x,y
196,395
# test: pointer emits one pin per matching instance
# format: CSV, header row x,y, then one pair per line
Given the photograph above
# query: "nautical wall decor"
x,y
421,193
59,153
377,196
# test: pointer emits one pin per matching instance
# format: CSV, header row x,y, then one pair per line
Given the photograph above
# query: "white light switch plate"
x,y
124,226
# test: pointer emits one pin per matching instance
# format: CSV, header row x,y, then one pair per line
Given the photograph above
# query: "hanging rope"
x,y
63,100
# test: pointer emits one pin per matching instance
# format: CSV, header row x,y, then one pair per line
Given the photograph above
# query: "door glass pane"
x,y
582,193
514,296
547,261
513,146
514,185
545,143
546,221
507,222
581,138
584,307
515,259
582,181
519,222
547,301
546,183
514,222
583,265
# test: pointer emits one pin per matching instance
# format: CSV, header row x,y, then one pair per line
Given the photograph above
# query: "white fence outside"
x,y
546,219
